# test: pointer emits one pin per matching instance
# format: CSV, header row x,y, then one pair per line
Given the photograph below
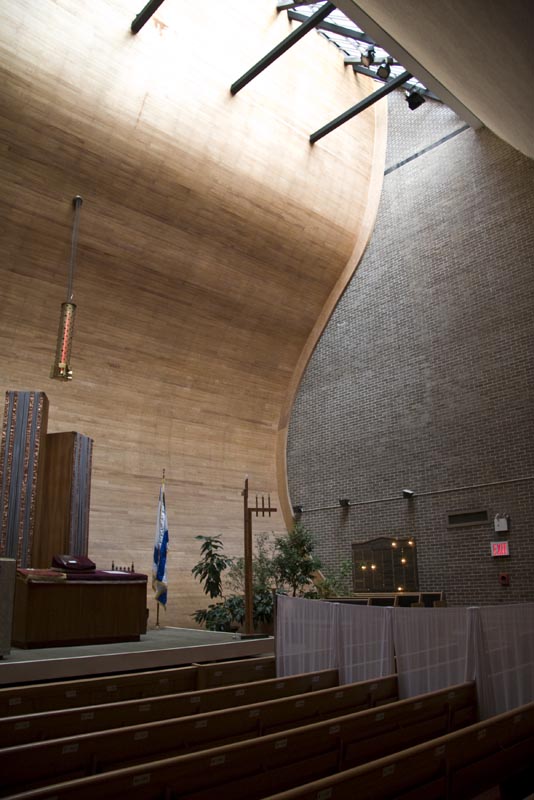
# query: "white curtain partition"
x,y
434,647
364,642
431,647
504,657
305,636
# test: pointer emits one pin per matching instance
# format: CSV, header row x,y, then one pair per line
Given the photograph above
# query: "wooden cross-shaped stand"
x,y
248,512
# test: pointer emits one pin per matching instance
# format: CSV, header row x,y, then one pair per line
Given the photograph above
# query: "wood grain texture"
x,y
62,525
212,239
54,614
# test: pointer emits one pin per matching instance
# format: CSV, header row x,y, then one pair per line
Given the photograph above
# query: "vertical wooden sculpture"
x,y
63,526
248,512
21,458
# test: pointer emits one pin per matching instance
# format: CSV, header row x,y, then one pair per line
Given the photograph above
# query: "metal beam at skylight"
x,y
331,27
285,5
353,42
310,22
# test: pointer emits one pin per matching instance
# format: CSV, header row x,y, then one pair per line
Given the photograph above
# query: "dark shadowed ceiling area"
x,y
478,54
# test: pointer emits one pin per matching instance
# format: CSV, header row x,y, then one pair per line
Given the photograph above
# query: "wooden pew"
x,y
70,722
458,766
498,747
226,673
16,700
406,599
255,768
61,759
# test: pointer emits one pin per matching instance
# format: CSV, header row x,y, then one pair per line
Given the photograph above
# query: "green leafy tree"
x,y
335,583
294,562
216,617
211,566
288,561
264,577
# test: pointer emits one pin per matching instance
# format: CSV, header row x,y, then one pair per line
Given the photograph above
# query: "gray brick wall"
x,y
424,376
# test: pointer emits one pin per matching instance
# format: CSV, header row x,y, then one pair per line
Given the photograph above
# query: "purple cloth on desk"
x,y
59,576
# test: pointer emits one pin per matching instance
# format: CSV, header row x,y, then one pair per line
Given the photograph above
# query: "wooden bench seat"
x,y
61,759
457,766
69,722
255,768
16,700
397,599
227,673
53,695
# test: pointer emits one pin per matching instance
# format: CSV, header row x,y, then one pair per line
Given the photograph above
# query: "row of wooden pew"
x,y
299,737
496,754
81,754
131,685
27,728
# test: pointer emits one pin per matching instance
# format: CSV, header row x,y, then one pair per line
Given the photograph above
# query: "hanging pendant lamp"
x,y
61,366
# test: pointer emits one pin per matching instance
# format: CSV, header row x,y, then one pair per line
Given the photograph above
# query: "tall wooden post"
x,y
247,522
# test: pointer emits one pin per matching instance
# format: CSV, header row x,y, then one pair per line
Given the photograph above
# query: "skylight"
x,y
352,41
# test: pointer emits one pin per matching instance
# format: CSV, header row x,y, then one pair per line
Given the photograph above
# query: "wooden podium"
x,y
79,611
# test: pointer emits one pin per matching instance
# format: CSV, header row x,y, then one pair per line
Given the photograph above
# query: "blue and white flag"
x,y
159,566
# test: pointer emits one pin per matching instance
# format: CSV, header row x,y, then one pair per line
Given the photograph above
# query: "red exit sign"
x,y
500,549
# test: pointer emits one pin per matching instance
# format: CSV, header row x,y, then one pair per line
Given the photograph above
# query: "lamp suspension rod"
x,y
77,202
361,106
284,45
144,15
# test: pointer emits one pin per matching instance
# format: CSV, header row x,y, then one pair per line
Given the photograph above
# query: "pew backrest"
x,y
252,769
461,764
51,695
17,700
61,759
69,722
226,673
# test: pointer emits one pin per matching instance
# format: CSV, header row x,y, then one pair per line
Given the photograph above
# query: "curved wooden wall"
x,y
212,239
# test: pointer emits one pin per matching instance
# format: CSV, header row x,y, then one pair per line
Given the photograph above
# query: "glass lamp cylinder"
x,y
60,367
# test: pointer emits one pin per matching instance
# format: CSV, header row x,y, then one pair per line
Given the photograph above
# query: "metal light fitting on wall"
x,y
61,366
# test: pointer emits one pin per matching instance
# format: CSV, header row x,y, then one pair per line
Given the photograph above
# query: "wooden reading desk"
x,y
54,608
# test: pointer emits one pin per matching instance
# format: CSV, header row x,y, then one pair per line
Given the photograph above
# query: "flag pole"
x,y
157,601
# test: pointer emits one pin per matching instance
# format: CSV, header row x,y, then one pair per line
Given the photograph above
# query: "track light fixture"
x,y
408,493
414,99
298,509
343,502
384,70
61,366
368,57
